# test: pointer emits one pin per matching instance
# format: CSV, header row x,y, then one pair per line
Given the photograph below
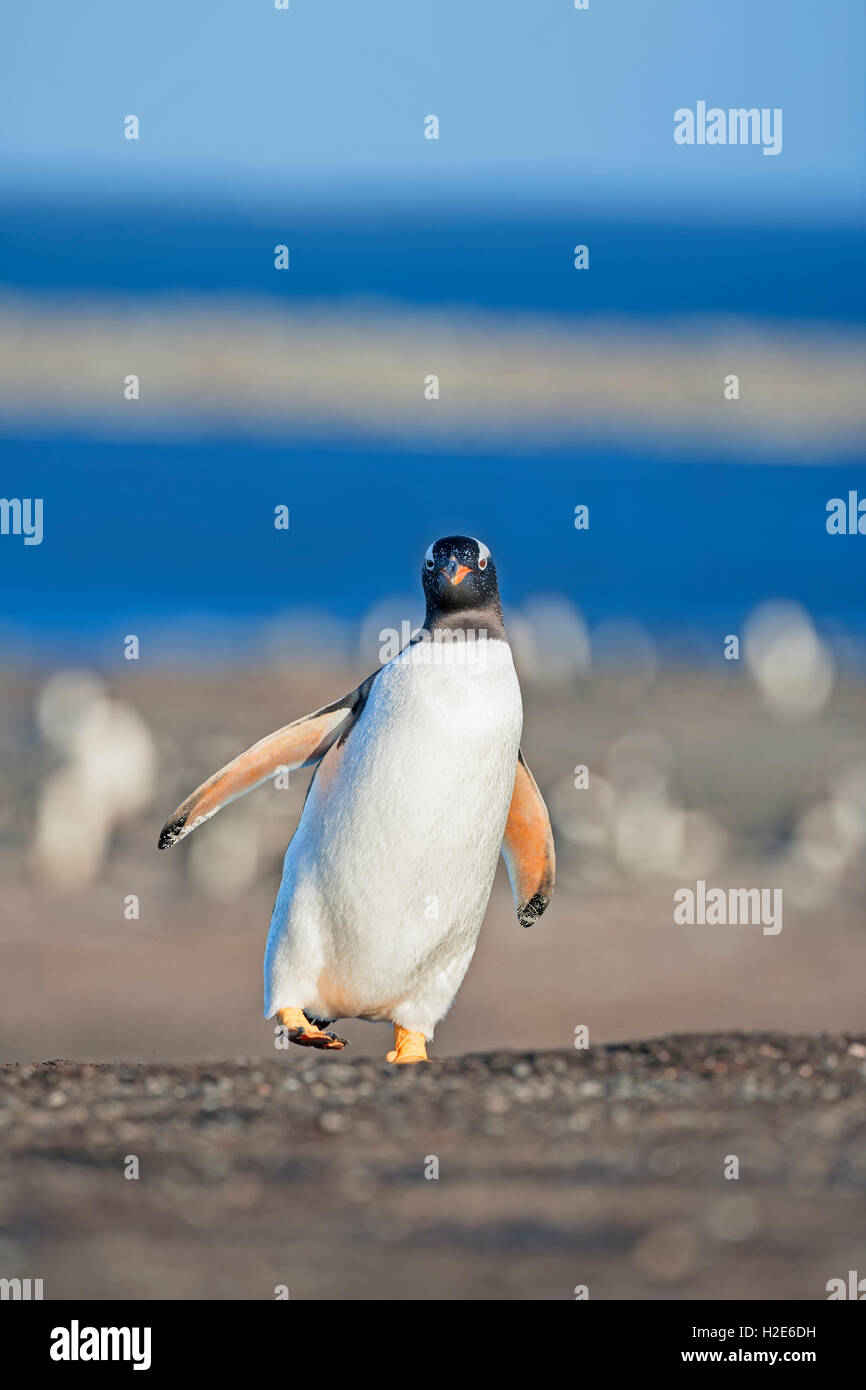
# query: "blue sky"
x,y
536,101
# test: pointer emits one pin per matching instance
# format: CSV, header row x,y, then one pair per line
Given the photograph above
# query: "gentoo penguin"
x,y
419,784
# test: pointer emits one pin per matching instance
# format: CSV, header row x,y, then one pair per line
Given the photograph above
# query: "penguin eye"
x,y
483,554
430,562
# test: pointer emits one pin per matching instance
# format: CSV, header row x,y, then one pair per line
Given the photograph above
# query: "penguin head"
x,y
459,573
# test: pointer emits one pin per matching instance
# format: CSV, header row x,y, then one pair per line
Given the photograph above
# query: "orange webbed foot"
x,y
409,1047
300,1030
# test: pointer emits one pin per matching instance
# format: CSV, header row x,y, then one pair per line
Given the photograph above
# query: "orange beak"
x,y
455,572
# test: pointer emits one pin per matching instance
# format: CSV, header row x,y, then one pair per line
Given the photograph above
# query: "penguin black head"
x,y
459,579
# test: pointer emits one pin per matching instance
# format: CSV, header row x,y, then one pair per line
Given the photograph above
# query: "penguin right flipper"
x,y
301,744
527,848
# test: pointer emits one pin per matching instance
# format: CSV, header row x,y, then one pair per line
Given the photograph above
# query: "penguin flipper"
x,y
301,744
527,848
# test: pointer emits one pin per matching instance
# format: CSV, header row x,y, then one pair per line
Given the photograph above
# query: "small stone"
x,y
331,1122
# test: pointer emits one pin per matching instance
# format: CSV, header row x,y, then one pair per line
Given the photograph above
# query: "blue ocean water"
x,y
138,532
149,530
430,256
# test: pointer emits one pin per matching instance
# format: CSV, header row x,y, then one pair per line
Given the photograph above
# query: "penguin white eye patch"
x,y
483,555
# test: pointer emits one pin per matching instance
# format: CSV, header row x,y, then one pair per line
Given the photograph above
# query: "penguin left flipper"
x,y
301,744
527,848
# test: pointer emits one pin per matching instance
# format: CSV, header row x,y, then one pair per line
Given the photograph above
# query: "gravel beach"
x,y
603,1168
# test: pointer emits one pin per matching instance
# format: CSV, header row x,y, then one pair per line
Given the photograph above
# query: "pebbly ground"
x,y
603,1168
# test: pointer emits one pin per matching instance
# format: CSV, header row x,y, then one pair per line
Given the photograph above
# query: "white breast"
x,y
386,881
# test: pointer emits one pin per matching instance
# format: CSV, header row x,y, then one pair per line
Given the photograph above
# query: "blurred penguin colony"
x,y
654,773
